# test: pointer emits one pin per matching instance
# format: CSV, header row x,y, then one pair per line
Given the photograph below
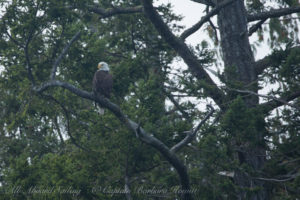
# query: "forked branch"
x,y
205,19
192,133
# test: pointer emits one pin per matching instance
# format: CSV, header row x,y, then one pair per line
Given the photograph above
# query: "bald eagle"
x,y
102,82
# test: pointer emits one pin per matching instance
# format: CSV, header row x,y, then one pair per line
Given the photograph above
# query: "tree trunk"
x,y
240,71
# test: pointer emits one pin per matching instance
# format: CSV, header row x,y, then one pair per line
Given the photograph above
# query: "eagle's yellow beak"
x,y
99,66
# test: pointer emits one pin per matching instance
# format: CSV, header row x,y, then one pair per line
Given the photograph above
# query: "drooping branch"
x,y
192,133
63,53
104,13
205,19
273,13
187,55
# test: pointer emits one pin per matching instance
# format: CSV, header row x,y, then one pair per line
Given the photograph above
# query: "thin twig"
x,y
63,53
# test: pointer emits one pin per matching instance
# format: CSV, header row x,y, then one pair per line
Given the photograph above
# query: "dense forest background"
x,y
169,131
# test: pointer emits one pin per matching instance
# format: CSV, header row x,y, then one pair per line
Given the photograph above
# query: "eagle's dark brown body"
x,y
102,83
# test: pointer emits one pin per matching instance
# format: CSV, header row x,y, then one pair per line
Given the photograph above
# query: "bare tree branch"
x,y
63,53
176,104
187,55
192,133
273,13
73,89
205,19
256,26
275,101
291,177
114,11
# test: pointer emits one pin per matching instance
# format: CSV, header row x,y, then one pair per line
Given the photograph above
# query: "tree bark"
x,y
240,70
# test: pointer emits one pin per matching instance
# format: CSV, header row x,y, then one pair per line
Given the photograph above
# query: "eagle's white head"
x,y
103,66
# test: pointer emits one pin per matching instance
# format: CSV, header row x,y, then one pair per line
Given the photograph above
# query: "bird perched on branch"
x,y
102,82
